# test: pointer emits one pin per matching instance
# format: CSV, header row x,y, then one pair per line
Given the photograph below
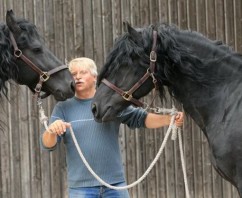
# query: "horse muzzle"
x,y
62,94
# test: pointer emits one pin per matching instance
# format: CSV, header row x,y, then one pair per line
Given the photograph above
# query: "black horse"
x,y
25,59
203,75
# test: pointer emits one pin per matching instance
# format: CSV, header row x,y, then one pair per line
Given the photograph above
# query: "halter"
x,y
127,95
43,76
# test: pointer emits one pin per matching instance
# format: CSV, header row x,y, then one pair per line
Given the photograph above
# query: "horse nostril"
x,y
94,109
73,86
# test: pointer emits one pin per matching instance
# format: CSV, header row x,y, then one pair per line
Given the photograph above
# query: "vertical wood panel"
x,y
88,28
107,26
97,34
78,28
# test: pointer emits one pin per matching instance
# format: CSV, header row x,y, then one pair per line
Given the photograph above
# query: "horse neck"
x,y
201,103
215,74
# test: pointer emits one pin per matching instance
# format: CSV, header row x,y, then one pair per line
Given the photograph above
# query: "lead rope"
x,y
172,128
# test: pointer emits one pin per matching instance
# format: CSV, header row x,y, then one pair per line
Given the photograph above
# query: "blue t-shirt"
x,y
98,141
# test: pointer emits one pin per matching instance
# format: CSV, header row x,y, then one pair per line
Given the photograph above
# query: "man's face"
x,y
84,80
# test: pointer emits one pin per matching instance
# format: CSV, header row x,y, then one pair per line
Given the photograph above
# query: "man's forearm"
x,y
156,120
49,139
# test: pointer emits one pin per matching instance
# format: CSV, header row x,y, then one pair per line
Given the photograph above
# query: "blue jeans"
x,y
98,192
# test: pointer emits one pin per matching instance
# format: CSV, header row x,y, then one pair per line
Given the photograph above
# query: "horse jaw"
x,y
108,107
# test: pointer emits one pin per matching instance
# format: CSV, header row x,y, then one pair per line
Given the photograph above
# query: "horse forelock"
x,y
30,32
124,52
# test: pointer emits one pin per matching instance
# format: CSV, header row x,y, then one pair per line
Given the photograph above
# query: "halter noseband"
x,y
44,76
127,95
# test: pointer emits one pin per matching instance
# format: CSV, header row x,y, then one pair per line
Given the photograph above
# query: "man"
x,y
98,141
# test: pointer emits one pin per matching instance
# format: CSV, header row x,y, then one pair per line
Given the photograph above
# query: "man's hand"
x,y
179,119
58,127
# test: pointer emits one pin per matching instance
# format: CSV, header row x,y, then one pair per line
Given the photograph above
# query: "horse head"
x,y
182,62
126,64
25,59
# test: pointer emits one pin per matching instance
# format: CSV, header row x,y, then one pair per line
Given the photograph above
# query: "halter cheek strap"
x,y
128,95
44,76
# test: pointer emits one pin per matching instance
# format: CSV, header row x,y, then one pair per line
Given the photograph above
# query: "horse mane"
x,y
175,59
8,67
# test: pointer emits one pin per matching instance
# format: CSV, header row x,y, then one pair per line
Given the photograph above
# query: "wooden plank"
x,y
210,19
68,30
150,155
182,14
154,12
98,33
163,7
137,8
144,12
229,22
238,24
201,16
220,22
192,15
14,155
24,142
125,10
131,158
48,35
78,28
116,18
58,27
107,26
172,12
197,161
5,150
88,29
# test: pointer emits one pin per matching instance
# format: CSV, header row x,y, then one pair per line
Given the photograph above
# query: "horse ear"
x,y
133,33
125,25
11,22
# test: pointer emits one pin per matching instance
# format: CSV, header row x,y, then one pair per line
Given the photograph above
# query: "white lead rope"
x,y
132,184
172,128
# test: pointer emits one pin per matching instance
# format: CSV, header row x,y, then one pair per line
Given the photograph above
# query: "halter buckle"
x,y
18,53
44,76
153,56
38,88
127,96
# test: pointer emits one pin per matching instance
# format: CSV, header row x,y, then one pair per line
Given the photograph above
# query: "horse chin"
x,y
109,115
59,96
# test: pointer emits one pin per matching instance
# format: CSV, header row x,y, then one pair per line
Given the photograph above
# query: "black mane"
x,y
8,68
177,55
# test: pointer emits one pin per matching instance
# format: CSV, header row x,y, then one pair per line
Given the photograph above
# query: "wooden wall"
x,y
74,28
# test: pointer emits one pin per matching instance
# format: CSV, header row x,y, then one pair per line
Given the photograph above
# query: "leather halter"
x,y
127,95
44,76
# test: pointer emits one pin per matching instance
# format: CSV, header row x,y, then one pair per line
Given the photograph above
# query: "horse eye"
x,y
37,50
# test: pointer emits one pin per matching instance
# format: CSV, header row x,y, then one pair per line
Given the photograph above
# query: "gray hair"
x,y
85,63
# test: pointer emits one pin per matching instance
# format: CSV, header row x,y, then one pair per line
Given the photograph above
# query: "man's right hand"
x,y
58,127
